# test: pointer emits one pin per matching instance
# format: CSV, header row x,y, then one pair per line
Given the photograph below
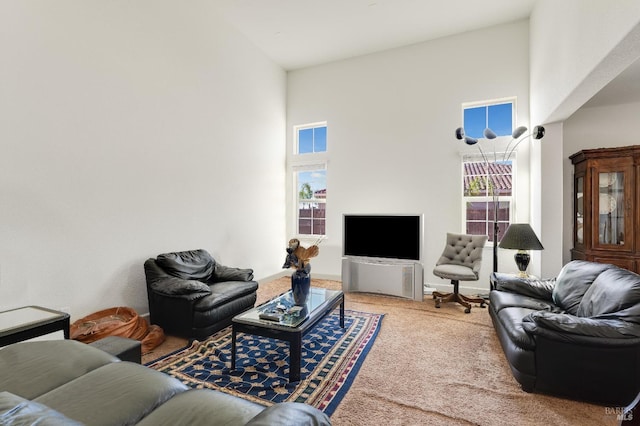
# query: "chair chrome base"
x,y
465,301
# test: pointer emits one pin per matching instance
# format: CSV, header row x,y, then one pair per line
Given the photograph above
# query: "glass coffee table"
x,y
31,321
279,319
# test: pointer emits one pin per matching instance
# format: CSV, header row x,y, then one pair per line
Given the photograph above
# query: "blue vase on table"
x,y
300,287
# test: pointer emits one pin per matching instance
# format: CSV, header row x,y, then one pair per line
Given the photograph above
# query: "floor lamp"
x,y
516,139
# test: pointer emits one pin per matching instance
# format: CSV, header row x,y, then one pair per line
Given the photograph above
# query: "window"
x,y
312,139
497,116
487,182
484,189
309,167
312,197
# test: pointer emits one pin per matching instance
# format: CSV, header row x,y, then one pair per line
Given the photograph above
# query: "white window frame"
x,y
305,162
298,201
296,144
512,100
474,155
469,157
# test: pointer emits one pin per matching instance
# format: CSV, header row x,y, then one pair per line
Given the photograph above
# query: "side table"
x,y
28,322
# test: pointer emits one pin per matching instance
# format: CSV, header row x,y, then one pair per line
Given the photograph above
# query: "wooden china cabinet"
x,y
606,200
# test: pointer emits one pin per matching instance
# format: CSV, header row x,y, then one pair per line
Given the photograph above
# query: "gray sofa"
x,y
65,382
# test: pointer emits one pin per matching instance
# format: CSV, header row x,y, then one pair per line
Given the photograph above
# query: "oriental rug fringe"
x,y
331,358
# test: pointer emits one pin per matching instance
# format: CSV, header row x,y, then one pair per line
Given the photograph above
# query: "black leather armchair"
x,y
191,295
576,336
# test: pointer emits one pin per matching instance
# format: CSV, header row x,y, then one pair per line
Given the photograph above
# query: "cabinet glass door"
x,y
611,208
579,210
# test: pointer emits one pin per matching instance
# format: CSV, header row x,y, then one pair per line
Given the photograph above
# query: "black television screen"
x,y
385,236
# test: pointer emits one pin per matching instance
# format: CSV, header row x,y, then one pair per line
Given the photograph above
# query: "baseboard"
x,y
428,288
287,273
326,277
448,288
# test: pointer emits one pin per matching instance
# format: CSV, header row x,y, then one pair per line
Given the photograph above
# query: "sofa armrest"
x,y
290,414
540,289
564,359
225,273
559,326
176,287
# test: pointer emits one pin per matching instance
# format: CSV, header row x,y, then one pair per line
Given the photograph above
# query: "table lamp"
x,y
520,236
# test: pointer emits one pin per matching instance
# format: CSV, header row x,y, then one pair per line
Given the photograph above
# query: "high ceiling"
x,y
301,33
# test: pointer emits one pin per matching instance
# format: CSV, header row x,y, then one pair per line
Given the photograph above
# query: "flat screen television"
x,y
397,236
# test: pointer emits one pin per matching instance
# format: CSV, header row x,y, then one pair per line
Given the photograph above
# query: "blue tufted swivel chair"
x,y
460,261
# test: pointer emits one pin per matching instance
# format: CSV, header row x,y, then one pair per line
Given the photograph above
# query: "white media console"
x,y
390,277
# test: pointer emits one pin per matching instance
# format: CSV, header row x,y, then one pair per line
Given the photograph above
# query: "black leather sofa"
x,y
68,383
575,336
191,295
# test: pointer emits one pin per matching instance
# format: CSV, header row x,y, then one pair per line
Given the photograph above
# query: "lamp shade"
x,y
519,131
470,141
538,132
489,134
520,236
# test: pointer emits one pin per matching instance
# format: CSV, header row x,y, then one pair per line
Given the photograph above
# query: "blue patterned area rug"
x,y
331,358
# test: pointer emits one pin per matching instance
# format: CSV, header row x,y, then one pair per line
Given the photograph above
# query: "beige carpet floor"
x,y
433,366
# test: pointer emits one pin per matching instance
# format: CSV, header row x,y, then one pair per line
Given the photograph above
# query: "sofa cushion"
x,y
225,292
614,290
504,299
120,393
567,326
17,411
290,414
26,368
188,265
179,286
202,406
226,273
573,281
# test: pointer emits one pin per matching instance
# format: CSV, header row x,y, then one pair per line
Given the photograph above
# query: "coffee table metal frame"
x,y
243,323
28,322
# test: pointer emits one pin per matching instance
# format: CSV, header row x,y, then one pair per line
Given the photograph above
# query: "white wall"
x,y
547,187
570,41
589,128
391,119
577,47
129,129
